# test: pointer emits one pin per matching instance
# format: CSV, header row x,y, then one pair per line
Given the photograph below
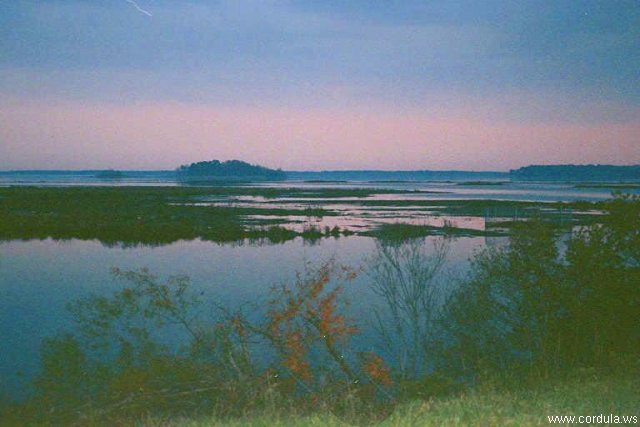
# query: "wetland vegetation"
x,y
156,215
159,215
552,309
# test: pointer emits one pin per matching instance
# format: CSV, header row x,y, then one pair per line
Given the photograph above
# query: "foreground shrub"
x,y
150,348
550,304
547,304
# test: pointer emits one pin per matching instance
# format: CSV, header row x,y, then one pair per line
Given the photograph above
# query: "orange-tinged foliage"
x,y
376,370
238,326
308,315
295,359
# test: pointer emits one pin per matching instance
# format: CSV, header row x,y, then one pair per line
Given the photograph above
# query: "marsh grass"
x,y
147,215
533,331
403,231
161,215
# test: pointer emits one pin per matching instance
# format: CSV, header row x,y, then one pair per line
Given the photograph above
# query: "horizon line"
x,y
330,170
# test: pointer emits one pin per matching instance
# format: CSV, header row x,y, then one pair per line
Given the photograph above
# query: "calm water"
x,y
38,278
451,189
513,191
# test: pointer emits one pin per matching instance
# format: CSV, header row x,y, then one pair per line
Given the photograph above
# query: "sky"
x,y
319,85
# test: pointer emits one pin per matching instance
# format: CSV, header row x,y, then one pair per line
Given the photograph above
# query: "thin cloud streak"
x,y
139,9
477,79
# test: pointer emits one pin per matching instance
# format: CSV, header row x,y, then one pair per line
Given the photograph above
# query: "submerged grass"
x,y
401,231
479,207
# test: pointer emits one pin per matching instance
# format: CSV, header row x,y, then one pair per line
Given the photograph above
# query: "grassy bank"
x,y
492,403
489,404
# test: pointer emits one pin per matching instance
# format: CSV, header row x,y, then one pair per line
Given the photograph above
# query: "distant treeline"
x,y
576,173
229,170
237,170
381,175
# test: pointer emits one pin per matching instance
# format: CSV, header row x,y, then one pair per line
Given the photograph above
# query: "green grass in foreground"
x,y
487,405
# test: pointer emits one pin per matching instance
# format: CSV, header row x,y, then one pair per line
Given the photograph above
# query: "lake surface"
x,y
38,278
449,188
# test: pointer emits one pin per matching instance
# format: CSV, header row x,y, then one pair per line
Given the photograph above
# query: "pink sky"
x,y
69,135
410,84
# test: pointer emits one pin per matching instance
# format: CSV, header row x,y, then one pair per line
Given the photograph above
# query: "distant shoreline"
x,y
583,174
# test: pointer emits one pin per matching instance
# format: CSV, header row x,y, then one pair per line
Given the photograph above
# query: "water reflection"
x,y
39,277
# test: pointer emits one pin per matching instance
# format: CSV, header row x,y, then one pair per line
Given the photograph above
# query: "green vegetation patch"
x,y
531,331
484,207
485,405
401,231
494,405
160,215
149,215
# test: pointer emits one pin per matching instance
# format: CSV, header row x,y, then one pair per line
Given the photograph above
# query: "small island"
x,y
231,170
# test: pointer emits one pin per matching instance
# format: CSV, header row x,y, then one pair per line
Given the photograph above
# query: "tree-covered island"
x,y
231,170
